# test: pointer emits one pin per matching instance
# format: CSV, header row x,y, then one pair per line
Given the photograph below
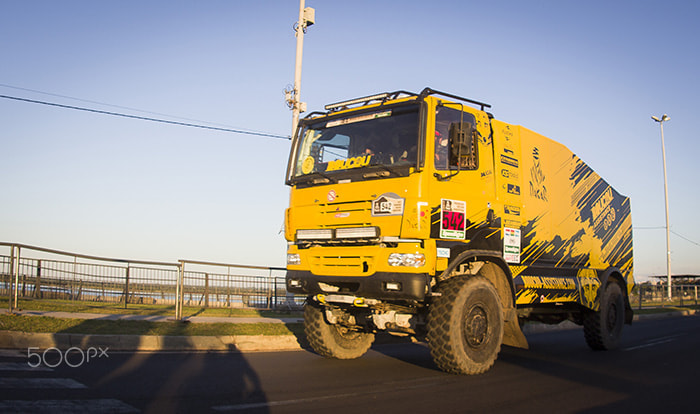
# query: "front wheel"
x,y
603,329
332,340
465,326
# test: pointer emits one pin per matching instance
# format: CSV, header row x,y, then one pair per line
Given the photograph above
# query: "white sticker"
x,y
443,252
388,204
511,245
358,119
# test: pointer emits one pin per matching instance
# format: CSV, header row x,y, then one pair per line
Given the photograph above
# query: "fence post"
x,y
126,287
178,290
72,283
16,270
681,294
641,294
37,282
206,290
228,286
10,274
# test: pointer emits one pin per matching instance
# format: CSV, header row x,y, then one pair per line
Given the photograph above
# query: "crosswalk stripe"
x,y
12,353
99,406
22,366
39,383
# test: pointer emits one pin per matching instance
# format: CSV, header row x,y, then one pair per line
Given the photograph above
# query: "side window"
x,y
455,140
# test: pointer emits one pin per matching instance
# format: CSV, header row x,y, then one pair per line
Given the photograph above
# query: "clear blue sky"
x,y
588,74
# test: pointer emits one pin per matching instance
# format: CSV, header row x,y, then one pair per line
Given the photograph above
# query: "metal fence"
x,y
654,296
36,272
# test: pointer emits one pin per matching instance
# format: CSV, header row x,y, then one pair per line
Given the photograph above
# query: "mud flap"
x,y
512,334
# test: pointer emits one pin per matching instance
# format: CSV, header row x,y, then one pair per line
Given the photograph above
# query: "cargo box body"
x,y
574,226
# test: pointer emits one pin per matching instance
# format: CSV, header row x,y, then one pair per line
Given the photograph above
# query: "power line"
x,y
123,107
144,118
685,238
675,233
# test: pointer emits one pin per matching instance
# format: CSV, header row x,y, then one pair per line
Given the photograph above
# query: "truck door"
x,y
508,180
462,188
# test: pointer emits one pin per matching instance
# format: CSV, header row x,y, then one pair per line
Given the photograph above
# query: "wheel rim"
x,y
476,326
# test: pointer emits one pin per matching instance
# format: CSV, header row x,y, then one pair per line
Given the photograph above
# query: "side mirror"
x,y
461,140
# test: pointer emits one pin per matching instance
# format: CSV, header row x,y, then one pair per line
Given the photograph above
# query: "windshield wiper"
x,y
387,171
314,178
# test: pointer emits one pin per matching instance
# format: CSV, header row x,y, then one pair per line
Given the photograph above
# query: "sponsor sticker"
x,y
513,162
511,245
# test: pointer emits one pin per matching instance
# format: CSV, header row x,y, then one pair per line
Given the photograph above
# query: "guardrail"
x,y
37,272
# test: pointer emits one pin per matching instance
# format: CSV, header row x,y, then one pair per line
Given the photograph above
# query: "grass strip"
x,y
58,305
42,324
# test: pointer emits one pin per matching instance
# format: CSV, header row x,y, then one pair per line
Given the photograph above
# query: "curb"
x,y
229,343
241,343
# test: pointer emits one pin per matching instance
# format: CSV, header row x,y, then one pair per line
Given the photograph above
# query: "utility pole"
x,y
661,121
307,17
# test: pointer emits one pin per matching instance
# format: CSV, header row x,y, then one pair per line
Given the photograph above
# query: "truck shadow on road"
x,y
175,379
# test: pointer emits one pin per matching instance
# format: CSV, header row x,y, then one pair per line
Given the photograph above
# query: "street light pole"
x,y
661,121
307,17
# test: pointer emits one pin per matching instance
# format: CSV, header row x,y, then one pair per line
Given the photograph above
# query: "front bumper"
x,y
380,285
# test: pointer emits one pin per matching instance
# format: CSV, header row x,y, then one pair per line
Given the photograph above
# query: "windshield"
x,y
382,139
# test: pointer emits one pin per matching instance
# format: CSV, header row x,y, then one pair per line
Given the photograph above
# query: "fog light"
x,y
315,234
393,286
406,259
295,283
293,259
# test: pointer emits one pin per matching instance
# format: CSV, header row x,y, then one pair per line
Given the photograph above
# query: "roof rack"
x,y
428,91
386,96
380,97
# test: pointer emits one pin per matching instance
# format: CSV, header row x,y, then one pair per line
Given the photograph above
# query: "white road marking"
x,y
66,406
654,342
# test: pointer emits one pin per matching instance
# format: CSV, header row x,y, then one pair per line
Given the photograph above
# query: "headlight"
x,y
407,259
293,259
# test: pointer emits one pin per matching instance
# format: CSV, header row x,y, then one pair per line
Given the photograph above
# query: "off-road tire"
x,y
333,341
603,329
465,325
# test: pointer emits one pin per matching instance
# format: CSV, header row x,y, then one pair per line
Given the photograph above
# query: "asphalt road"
x,y
655,370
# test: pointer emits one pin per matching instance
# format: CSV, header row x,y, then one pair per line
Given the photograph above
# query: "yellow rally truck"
x,y
421,214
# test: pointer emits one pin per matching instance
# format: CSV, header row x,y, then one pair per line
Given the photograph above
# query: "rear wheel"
x,y
332,340
465,325
603,329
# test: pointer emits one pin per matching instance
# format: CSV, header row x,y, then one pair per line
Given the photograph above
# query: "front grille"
x,y
354,209
354,265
